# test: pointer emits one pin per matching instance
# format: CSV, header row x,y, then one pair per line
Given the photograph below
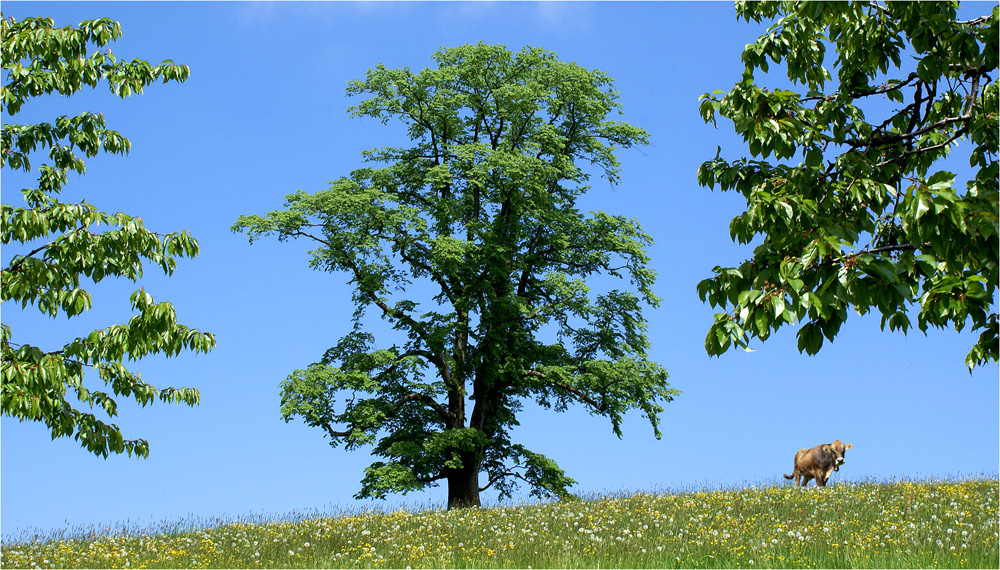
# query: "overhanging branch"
x,y
396,406
424,399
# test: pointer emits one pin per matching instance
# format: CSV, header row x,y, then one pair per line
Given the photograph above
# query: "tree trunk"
x,y
463,484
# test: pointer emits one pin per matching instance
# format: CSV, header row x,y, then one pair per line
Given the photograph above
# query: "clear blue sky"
x,y
264,114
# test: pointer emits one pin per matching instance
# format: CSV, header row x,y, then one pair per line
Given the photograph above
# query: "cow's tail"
x,y
787,476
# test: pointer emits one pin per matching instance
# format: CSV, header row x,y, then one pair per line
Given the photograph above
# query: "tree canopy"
x,y
848,202
60,244
469,244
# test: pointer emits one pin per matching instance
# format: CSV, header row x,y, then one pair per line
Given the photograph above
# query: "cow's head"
x,y
837,449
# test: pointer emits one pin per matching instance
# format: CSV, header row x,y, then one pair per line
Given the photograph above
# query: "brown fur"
x,y
818,463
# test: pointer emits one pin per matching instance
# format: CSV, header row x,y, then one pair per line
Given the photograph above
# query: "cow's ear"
x,y
827,448
848,445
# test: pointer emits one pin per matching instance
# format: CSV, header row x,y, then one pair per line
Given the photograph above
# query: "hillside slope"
x,y
849,525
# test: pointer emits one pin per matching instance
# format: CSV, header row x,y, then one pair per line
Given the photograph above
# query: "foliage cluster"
x,y
853,210
59,243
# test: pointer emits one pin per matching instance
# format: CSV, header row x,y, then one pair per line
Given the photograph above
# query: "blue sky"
x,y
264,114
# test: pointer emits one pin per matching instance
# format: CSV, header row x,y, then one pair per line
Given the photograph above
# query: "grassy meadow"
x,y
948,524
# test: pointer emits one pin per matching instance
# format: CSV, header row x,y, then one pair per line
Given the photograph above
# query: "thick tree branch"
x,y
894,138
300,233
522,283
426,480
16,266
415,326
893,248
336,434
500,477
974,21
599,407
426,400
396,406
922,149
830,260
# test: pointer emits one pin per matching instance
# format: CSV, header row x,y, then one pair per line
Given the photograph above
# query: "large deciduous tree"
x,y
470,244
855,209
60,244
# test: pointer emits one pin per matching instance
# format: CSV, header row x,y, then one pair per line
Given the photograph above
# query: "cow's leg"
x,y
806,478
824,477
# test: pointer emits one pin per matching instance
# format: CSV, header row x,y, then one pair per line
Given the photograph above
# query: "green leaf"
x,y
814,158
923,206
779,306
928,69
761,321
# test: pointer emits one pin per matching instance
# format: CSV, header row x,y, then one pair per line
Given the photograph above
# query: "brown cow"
x,y
819,462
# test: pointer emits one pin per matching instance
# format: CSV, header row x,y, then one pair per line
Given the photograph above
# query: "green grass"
x,y
852,525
